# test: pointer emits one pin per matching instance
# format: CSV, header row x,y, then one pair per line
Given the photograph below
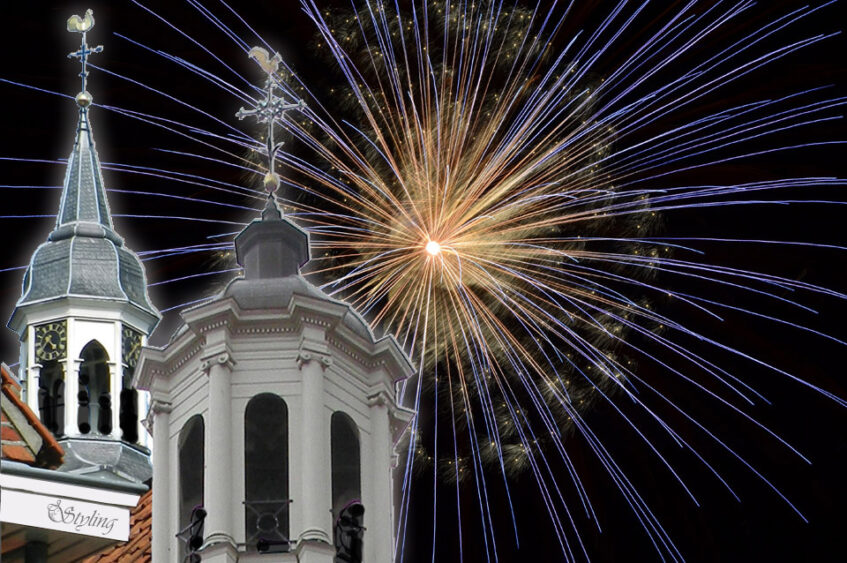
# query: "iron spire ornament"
x,y
268,110
83,25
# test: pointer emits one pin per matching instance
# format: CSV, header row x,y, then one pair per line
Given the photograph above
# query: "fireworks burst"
x,y
476,210
488,183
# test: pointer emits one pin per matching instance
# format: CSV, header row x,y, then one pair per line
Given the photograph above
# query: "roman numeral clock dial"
x,y
131,346
51,341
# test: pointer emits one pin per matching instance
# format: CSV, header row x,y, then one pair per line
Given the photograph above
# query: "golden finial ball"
x,y
84,99
271,181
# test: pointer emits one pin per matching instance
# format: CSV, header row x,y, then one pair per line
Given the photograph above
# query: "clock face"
x,y
131,346
51,341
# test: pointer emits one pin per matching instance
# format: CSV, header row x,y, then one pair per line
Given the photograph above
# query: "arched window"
x,y
128,414
266,470
191,447
51,396
95,399
346,462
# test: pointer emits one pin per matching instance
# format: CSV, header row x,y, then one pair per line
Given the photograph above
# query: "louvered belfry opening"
x,y
128,414
94,412
51,396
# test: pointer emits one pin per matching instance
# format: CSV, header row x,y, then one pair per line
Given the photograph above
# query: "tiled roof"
x,y
83,256
24,437
139,546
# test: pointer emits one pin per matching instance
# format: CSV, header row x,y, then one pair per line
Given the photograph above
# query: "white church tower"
x,y
82,318
274,408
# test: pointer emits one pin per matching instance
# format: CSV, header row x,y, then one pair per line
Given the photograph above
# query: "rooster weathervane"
x,y
83,25
268,110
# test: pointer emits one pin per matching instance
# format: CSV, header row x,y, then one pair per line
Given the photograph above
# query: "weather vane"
x,y
268,110
83,25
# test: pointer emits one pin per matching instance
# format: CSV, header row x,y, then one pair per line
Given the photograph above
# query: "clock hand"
x,y
46,341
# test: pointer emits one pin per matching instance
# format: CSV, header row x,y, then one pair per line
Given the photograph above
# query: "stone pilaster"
x,y
32,384
71,397
379,517
158,417
218,477
315,496
115,386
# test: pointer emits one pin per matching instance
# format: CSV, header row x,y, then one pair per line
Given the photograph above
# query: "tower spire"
x,y
84,257
268,110
84,209
273,246
83,314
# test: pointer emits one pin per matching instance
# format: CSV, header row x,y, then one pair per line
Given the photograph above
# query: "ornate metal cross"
x,y
268,110
83,25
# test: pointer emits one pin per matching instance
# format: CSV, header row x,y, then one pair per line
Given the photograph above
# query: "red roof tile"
x,y
139,546
23,437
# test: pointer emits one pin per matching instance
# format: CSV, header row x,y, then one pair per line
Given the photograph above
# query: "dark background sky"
x,y
39,126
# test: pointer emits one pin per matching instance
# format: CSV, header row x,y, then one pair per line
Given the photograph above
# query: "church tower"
x,y
82,318
274,408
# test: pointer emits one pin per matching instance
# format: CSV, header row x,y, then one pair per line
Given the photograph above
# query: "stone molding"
x,y
383,353
219,543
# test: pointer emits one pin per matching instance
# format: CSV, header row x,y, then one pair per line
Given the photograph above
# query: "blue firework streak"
x,y
490,197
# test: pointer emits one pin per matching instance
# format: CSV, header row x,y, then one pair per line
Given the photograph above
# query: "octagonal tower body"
x,y
273,406
83,315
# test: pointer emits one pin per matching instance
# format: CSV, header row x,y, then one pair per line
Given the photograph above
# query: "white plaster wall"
x,y
265,360
83,331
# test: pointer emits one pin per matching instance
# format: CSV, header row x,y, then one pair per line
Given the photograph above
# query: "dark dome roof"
x,y
85,266
271,250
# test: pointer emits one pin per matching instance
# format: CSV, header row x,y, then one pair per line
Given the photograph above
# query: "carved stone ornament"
x,y
156,407
306,356
379,398
222,359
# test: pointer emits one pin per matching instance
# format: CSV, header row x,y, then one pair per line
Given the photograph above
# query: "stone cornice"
x,y
263,328
156,363
209,316
326,316
348,351
80,307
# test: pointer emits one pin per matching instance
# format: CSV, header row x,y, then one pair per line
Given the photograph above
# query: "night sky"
x,y
39,126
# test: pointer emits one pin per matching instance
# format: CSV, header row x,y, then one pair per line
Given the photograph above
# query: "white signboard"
x,y
66,515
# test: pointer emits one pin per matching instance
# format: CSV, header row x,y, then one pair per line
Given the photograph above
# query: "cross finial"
x,y
83,25
267,111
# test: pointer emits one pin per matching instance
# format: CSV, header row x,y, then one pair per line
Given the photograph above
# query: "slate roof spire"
x,y
83,256
83,193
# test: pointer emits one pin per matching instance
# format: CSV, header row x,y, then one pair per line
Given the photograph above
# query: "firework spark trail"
x,y
472,134
369,280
